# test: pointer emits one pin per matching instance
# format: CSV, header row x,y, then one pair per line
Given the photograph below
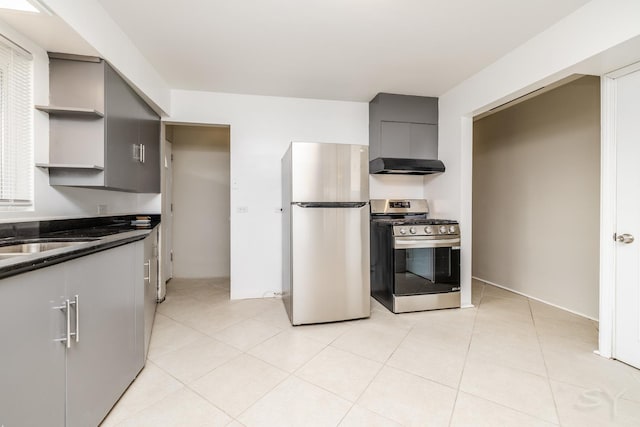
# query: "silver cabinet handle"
x,y
138,152
148,276
66,308
76,304
144,153
625,238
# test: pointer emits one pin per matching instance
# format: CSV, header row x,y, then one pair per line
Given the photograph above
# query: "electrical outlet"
x,y
102,209
242,209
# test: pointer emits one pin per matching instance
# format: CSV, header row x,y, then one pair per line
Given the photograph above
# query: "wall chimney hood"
x,y
387,165
403,135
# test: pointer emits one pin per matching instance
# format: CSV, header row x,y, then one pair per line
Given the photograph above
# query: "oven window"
x,y
426,270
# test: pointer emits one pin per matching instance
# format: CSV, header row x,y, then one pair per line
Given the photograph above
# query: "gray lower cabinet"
x,y
150,283
32,361
44,382
104,361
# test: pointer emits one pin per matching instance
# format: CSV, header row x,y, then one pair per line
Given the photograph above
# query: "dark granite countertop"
x,y
96,234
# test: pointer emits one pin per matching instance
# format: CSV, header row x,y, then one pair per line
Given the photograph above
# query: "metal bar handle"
x,y
76,303
66,308
414,243
148,276
330,205
143,153
66,340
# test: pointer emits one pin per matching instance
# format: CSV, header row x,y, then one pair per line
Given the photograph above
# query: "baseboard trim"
x,y
535,298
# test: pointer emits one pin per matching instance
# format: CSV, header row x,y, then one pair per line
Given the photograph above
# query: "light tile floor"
x,y
509,361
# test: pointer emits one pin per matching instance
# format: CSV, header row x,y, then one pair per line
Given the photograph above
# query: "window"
x,y
16,127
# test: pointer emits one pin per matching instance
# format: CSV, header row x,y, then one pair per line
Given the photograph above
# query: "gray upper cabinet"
x,y
102,134
403,126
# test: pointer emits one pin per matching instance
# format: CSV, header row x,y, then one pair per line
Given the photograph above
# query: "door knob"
x,y
625,238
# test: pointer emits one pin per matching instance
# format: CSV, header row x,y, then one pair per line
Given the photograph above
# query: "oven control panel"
x,y
400,204
436,230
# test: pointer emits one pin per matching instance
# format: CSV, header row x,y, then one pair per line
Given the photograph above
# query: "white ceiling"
x,y
327,49
49,32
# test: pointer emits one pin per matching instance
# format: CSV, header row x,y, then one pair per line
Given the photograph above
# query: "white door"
x,y
627,302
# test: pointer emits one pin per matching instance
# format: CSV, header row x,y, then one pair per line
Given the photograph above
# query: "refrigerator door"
x,y
329,172
329,264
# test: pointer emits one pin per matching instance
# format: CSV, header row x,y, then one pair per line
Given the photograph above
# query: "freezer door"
x,y
329,172
330,264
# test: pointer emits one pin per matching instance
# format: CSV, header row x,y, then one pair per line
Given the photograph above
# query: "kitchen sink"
x,y
36,246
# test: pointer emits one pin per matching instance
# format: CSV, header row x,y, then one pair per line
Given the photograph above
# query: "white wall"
x,y
599,37
60,201
200,201
536,197
89,19
261,129
396,186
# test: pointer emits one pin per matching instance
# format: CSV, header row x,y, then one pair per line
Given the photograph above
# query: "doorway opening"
x,y
197,200
536,197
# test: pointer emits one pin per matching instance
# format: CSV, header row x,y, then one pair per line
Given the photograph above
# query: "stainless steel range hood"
x,y
387,165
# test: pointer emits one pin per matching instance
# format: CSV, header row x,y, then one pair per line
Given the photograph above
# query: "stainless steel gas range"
x,y
415,260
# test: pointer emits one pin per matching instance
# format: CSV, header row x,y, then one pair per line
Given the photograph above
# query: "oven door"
x,y
424,265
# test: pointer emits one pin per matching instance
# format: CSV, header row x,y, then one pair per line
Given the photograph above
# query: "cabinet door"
x,y
32,368
423,141
149,136
150,285
122,120
103,363
406,108
395,140
408,140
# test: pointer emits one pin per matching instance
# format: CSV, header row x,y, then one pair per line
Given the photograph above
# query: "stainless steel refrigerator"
x,y
325,191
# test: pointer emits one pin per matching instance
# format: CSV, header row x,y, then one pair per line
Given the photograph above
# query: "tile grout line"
x,y
188,387
482,397
509,408
466,357
324,344
544,360
183,384
382,365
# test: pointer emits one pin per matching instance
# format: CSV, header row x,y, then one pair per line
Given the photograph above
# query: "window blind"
x,y
16,126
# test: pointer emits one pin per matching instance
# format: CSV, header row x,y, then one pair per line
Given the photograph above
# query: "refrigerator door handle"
x,y
330,204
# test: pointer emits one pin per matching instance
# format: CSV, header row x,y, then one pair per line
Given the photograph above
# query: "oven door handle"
x,y
402,243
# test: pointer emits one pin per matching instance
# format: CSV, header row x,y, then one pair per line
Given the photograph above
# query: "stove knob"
x,y
428,230
443,229
452,229
403,231
412,230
